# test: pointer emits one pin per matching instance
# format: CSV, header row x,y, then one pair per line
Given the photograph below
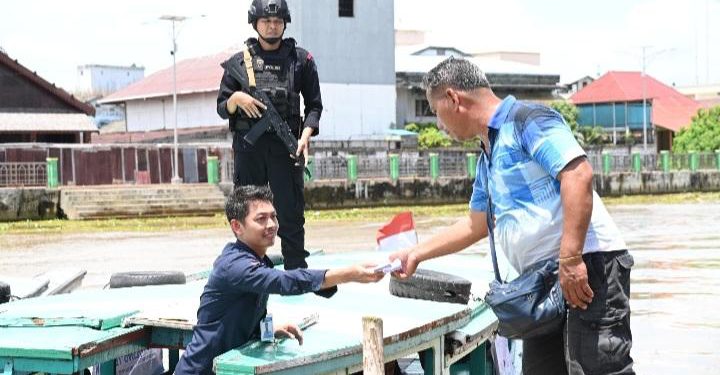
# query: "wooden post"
x,y
373,356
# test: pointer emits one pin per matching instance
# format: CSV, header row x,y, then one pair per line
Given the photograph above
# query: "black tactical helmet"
x,y
268,8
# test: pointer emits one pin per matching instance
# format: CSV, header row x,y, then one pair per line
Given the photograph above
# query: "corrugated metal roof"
x,y
670,109
46,122
201,74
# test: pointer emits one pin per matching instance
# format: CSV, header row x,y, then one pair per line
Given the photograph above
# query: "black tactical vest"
x,y
275,75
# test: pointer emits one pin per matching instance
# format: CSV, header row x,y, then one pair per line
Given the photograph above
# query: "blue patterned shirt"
x,y
525,162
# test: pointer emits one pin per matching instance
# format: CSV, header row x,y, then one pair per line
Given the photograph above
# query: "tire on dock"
x,y
4,292
144,278
432,286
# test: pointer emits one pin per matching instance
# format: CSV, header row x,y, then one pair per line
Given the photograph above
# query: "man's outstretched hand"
x,y
290,331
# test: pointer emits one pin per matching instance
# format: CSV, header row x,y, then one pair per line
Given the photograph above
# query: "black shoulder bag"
x,y
531,305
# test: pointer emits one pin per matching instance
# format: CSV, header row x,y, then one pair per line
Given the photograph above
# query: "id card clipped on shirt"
x,y
267,331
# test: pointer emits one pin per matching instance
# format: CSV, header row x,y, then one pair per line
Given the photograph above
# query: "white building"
x,y
100,80
352,43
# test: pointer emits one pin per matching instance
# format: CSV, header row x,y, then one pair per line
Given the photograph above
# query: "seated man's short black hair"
x,y
237,205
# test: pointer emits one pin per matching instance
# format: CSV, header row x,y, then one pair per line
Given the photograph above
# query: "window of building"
x,y
422,108
346,8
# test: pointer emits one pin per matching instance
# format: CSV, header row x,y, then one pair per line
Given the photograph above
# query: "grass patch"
x,y
349,214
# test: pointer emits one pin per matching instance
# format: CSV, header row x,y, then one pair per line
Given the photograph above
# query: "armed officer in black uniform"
x,y
283,71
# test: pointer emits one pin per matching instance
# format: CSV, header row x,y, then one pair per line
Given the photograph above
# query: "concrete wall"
x,y
630,183
356,63
28,204
194,110
40,203
354,110
358,50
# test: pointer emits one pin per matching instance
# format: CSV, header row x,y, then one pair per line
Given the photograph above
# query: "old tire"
x,y
4,292
432,286
131,279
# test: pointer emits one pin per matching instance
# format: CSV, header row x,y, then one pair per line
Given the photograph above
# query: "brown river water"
x,y
675,281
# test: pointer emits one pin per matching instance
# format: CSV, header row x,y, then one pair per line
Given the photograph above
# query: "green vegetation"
x,y
585,135
703,134
355,214
429,136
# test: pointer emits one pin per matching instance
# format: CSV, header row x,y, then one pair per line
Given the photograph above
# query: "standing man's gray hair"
x,y
459,74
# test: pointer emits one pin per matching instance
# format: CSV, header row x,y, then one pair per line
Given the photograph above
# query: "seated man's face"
x,y
259,228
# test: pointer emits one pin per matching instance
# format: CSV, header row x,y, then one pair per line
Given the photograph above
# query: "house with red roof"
x,y
619,101
35,110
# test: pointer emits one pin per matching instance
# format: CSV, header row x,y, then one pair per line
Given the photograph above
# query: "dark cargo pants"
x,y
597,340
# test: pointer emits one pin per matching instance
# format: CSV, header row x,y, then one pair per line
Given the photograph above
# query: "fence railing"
x,y
23,174
138,164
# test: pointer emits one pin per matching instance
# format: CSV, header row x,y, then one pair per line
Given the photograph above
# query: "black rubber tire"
x,y
4,292
432,286
131,279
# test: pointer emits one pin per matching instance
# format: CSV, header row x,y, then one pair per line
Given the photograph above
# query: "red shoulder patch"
x,y
309,56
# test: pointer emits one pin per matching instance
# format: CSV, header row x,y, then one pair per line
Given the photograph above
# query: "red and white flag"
x,y
398,234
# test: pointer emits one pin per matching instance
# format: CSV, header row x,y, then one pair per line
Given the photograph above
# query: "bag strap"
x,y
520,117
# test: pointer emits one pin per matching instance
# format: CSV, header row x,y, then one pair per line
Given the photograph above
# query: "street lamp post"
x,y
173,19
642,77
644,89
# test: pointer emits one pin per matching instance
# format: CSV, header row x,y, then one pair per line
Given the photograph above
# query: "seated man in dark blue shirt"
x,y
235,298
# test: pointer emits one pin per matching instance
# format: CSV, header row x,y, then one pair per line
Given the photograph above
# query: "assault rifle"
x,y
270,119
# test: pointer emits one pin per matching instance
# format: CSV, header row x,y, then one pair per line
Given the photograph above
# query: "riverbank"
x,y
675,281
348,214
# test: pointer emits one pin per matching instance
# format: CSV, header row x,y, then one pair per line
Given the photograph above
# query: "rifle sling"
x,y
249,67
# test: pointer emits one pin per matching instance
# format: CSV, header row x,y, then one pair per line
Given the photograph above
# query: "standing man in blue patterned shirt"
x,y
541,186
234,301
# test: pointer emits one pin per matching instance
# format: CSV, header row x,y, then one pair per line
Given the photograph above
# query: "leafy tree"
x,y
429,136
703,134
570,113
591,135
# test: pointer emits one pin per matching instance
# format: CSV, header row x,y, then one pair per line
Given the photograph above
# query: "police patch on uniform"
x,y
259,64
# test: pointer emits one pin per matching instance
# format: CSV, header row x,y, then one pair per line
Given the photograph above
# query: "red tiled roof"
x,y
670,109
201,74
59,93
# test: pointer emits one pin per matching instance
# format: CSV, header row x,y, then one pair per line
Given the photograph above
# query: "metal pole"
x,y
176,177
642,76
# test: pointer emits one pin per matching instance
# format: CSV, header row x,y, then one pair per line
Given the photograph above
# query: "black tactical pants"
x,y
597,340
268,162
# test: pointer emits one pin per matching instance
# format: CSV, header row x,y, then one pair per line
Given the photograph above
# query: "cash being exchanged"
x,y
393,266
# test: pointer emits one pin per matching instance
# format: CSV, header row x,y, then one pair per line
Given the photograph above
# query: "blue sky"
x,y
575,38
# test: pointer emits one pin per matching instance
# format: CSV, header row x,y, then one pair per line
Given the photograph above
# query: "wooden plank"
x,y
100,309
62,343
373,358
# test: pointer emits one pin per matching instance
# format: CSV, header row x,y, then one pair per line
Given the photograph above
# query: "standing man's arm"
x,y
227,87
231,98
310,90
454,238
577,201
